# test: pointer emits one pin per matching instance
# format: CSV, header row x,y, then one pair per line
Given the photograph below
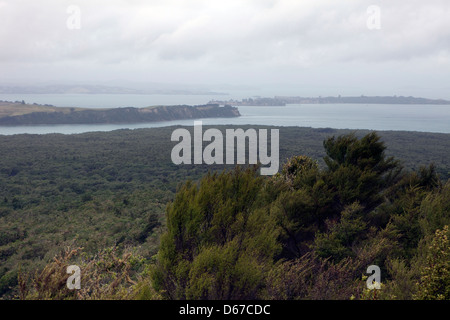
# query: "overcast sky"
x,y
316,47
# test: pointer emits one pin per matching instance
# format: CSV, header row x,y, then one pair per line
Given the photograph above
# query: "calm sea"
x,y
426,118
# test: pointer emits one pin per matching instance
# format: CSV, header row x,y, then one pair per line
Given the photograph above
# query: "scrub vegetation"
x,y
141,227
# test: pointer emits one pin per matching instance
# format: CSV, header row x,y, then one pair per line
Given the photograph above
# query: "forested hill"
x,y
21,114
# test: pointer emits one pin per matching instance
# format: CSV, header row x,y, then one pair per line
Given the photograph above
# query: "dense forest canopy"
x,y
341,201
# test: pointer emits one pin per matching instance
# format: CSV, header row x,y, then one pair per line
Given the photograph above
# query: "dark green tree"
x,y
314,201
301,204
358,169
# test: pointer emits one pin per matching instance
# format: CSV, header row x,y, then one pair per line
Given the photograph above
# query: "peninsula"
x,y
19,113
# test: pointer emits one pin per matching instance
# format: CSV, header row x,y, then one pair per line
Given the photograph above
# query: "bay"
x,y
424,118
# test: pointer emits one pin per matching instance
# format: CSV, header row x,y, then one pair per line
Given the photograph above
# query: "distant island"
x,y
19,113
282,100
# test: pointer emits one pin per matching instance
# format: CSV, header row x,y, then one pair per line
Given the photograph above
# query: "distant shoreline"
x,y
19,113
284,100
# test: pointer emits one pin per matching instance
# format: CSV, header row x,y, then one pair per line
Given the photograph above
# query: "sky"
x,y
269,47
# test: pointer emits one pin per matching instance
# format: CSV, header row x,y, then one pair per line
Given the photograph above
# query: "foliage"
x,y
340,237
311,277
333,209
219,244
106,276
359,169
435,278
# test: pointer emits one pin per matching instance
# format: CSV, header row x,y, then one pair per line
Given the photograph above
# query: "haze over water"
x,y
425,118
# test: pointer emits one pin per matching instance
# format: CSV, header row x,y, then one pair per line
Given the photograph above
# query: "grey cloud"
x,y
172,38
36,30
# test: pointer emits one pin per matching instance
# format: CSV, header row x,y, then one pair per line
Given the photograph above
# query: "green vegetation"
x,y
152,230
12,114
18,108
218,244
